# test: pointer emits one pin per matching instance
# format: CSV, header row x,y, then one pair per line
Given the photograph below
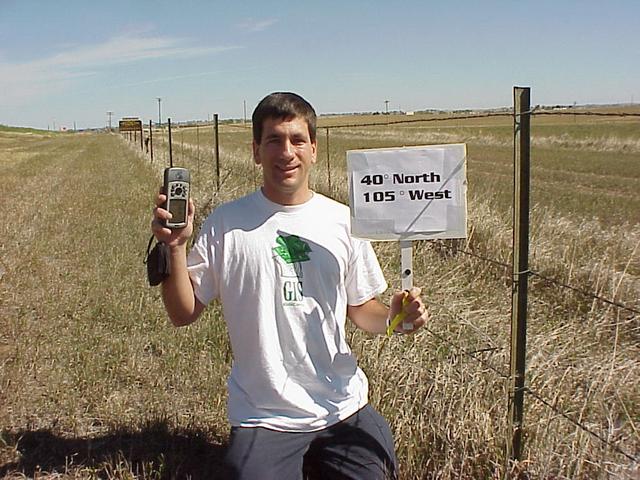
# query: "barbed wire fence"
x,y
516,450
508,270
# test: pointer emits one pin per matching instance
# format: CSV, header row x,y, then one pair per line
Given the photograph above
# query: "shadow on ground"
x,y
152,452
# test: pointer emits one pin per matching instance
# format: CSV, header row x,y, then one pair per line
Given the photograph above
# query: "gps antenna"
x,y
170,150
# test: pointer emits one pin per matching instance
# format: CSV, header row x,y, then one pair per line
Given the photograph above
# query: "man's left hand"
x,y
414,308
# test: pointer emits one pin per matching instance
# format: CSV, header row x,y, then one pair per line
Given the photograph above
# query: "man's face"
x,y
286,154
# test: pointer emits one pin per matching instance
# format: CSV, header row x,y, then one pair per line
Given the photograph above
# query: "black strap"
x,y
146,255
158,262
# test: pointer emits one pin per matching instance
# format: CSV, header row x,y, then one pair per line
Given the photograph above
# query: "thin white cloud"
x,y
22,81
189,75
256,25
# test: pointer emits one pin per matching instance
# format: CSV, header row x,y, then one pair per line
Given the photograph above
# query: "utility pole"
x,y
159,111
244,105
109,114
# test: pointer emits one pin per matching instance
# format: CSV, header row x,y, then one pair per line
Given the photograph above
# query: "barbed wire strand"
x,y
475,255
535,273
459,347
471,355
419,120
584,292
566,416
593,114
509,113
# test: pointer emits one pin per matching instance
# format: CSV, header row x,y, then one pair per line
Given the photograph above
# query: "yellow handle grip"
x,y
399,317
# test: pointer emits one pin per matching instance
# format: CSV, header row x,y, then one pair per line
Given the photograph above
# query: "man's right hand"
x,y
171,237
177,291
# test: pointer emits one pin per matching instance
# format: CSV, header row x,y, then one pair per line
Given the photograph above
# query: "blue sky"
x,y
72,61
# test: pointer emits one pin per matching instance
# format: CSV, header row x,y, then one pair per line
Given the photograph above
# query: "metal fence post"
x,y
217,150
521,157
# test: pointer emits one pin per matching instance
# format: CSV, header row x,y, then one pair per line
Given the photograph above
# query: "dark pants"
x,y
359,447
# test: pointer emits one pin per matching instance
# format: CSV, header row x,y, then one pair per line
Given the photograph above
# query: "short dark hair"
x,y
283,105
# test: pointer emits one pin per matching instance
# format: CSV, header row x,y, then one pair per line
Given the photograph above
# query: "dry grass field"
x,y
95,383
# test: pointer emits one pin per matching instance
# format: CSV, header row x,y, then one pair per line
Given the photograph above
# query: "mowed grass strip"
x,y
93,379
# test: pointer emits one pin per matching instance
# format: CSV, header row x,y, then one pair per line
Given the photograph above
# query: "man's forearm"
x,y
371,316
177,290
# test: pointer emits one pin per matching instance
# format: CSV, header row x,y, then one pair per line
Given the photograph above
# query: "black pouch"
x,y
158,264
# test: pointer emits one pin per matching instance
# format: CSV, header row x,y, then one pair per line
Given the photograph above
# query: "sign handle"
x,y
406,277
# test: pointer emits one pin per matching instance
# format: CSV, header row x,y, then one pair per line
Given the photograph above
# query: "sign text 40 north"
x,y
403,179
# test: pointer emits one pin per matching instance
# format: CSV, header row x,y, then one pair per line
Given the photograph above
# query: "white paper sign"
x,y
408,193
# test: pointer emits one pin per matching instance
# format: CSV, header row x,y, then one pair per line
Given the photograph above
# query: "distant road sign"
x,y
130,125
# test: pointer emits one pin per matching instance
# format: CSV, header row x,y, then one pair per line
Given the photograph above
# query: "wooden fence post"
x,y
217,150
521,157
328,163
151,140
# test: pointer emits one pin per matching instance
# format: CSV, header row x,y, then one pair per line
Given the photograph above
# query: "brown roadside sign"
x,y
130,125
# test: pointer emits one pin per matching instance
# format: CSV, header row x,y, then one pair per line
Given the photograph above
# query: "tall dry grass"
x,y
97,385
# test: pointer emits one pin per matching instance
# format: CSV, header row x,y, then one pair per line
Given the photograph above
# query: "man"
x,y
288,273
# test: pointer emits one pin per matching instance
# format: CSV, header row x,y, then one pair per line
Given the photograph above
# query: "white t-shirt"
x,y
284,275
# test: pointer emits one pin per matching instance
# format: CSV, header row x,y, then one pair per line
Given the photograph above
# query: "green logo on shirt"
x,y
289,254
291,249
